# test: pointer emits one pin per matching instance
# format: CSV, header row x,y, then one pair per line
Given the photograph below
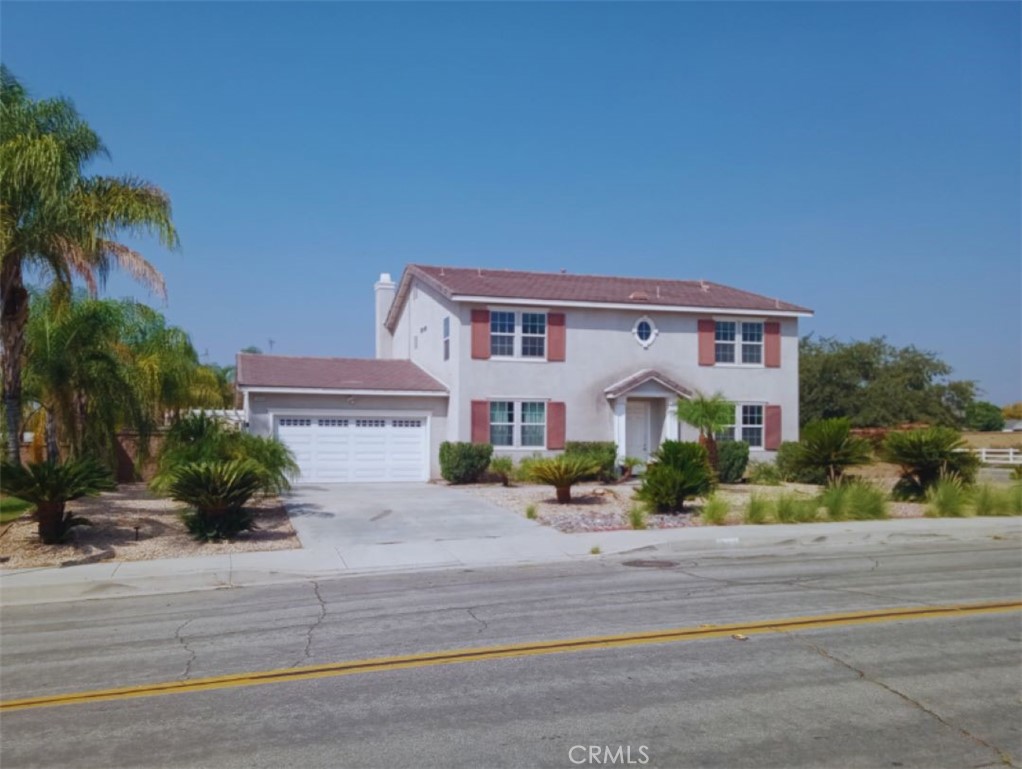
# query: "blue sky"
x,y
859,158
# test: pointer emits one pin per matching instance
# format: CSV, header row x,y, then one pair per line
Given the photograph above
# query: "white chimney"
x,y
385,290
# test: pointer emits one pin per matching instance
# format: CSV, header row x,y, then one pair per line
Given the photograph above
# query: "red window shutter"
x,y
772,344
481,336
707,344
772,428
480,421
555,341
555,425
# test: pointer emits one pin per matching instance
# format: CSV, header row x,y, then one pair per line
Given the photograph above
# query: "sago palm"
x,y
710,414
61,222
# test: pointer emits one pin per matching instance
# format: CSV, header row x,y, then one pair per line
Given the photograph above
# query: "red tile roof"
x,y
556,287
333,373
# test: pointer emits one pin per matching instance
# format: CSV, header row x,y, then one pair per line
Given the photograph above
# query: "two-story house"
x,y
526,361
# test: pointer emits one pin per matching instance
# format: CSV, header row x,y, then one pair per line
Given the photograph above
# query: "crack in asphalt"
x,y
804,583
1003,756
307,652
472,614
187,672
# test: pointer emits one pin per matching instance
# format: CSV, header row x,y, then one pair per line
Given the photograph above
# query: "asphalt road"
x,y
911,693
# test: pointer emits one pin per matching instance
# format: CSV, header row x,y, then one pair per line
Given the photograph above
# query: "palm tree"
x,y
81,375
96,366
710,414
59,221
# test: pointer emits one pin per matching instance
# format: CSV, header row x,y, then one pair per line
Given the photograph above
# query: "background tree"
x,y
710,414
984,417
875,384
1013,410
59,221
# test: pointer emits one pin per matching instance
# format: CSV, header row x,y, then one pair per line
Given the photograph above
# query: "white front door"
x,y
637,437
357,448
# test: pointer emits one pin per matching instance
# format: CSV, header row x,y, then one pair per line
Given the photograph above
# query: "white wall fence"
x,y
998,456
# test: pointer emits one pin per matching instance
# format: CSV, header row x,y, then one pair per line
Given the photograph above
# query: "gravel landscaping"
x,y
597,507
160,532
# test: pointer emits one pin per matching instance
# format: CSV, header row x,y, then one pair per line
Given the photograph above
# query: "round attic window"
x,y
645,331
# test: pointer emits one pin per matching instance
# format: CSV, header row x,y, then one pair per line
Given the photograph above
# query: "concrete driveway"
x,y
397,513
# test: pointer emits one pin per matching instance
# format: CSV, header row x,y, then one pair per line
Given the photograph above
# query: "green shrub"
x,y
925,456
603,453
50,486
790,508
984,417
200,437
828,446
637,517
522,472
764,474
835,501
630,464
1016,473
865,501
678,471
758,510
714,511
854,500
1015,499
789,470
503,468
563,472
947,498
530,512
276,466
218,492
732,459
464,462
987,500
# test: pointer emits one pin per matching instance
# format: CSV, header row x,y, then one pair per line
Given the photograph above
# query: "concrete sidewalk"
x,y
115,579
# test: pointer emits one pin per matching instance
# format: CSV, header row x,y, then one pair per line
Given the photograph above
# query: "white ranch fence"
x,y
998,456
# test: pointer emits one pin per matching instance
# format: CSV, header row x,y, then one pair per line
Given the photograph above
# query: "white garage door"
x,y
353,449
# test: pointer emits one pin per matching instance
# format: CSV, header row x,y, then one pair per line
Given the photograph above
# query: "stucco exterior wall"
x,y
263,407
601,350
418,337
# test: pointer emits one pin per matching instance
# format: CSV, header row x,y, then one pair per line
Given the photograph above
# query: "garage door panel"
x,y
364,448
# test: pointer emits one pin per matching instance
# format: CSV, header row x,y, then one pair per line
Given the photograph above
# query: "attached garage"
x,y
347,420
357,448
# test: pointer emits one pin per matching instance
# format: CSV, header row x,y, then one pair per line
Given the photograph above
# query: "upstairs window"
x,y
739,342
518,334
533,335
645,331
502,334
447,337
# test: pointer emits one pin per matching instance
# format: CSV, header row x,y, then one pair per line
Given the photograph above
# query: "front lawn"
x,y
12,508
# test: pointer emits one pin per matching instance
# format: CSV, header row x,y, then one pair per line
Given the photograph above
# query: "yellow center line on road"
x,y
506,651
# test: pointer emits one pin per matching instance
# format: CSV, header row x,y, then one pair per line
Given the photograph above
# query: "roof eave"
x,y
252,388
783,313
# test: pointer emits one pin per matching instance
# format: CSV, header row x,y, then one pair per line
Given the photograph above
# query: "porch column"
x,y
672,428
619,427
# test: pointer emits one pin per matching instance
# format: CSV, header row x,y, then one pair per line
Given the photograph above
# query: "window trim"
x,y
738,342
517,424
519,335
